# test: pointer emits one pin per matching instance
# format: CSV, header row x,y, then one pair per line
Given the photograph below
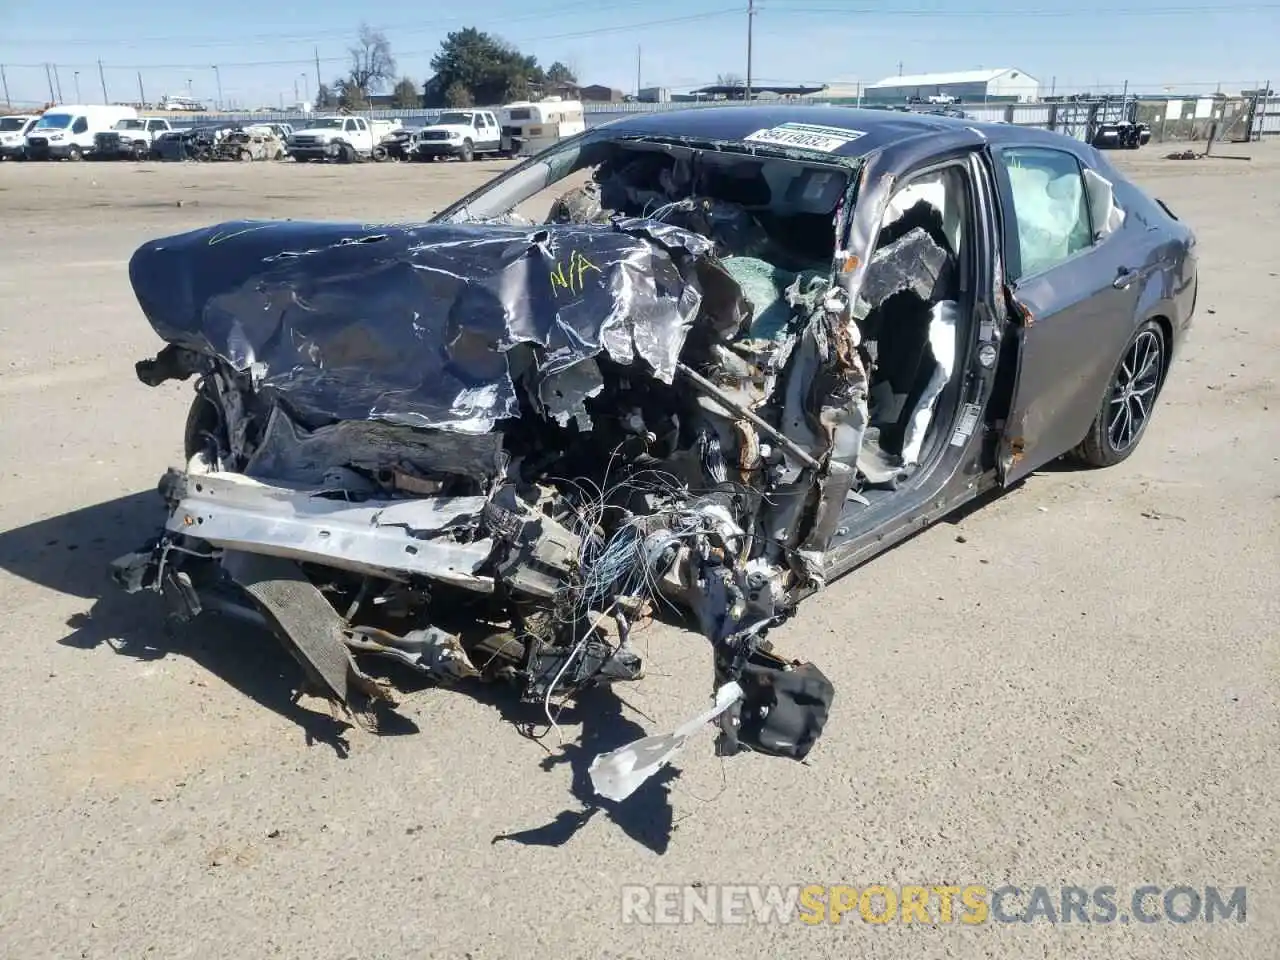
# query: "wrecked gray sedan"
x,y
703,361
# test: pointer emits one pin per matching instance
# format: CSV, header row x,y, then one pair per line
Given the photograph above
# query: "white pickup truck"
x,y
465,134
346,139
13,135
132,139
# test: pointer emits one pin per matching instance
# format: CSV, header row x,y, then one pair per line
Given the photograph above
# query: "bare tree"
x,y
737,86
372,65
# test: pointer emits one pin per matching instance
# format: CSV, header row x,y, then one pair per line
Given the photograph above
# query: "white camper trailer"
x,y
529,127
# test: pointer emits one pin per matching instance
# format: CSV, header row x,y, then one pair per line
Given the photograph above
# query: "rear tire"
x,y
468,152
1130,399
74,153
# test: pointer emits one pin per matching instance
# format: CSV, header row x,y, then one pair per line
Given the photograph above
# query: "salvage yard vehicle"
x,y
396,145
67,132
529,127
252,142
465,134
132,138
339,138
748,350
1122,134
13,135
192,143
180,103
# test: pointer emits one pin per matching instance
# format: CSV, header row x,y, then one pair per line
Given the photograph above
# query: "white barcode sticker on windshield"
x,y
964,428
806,136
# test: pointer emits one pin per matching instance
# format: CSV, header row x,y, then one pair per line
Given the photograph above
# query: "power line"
x,y
1011,16
574,35
415,26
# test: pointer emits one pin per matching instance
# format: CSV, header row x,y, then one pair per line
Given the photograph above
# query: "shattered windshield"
x,y
752,204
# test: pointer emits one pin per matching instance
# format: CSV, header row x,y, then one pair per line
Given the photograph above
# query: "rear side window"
x,y
80,126
1050,207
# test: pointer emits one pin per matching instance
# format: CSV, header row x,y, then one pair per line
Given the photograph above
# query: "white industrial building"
x,y
969,86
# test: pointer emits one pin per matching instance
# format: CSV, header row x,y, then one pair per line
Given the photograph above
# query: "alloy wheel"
x,y
1134,390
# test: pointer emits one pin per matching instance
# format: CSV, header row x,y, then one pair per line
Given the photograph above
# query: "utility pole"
x,y
48,75
899,68
637,71
306,92
319,82
142,97
103,78
751,19
4,80
218,76
1262,115
76,78
295,92
58,80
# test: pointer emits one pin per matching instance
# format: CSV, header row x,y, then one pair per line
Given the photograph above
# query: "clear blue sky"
x,y
261,53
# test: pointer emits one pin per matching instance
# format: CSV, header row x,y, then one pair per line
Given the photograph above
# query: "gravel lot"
x,y
1075,684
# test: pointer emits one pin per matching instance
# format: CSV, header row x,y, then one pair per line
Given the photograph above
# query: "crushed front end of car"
x,y
488,451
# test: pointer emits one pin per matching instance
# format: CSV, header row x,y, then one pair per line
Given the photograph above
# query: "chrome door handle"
x,y
1124,278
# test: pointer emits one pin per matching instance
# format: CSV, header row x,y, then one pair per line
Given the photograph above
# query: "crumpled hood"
x,y
412,323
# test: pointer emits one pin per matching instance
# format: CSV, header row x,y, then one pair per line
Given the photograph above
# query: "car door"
x,y
1074,297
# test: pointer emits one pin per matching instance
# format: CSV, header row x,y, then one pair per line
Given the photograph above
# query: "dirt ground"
x,y
1075,684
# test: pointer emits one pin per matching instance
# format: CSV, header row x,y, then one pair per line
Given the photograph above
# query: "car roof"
x,y
875,128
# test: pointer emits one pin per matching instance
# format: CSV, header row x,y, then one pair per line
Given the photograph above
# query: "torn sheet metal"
x,y
429,537
288,451
620,773
411,324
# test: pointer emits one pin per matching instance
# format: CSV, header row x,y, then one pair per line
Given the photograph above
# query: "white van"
x,y
13,135
66,131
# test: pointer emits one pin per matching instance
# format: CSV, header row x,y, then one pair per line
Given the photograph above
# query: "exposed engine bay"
x,y
489,448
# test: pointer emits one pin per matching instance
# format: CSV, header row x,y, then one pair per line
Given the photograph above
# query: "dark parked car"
x,y
190,143
749,349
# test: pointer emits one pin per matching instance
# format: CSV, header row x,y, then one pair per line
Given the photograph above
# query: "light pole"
x,y
306,87
77,78
218,76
